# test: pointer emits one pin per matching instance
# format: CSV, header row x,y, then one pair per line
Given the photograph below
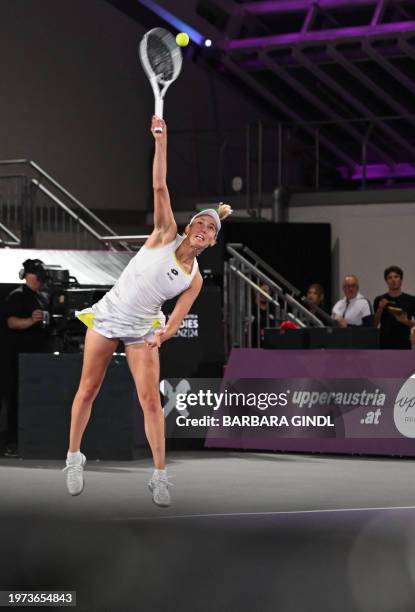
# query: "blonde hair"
x,y
224,210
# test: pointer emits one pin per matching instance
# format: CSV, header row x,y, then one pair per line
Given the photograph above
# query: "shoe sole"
x,y
154,502
75,494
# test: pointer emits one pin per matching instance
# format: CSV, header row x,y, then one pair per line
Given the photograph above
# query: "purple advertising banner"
x,y
371,403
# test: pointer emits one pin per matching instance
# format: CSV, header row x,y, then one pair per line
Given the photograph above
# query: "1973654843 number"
x,y
33,598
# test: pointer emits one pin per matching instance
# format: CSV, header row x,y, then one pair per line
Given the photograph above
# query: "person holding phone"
x,y
394,312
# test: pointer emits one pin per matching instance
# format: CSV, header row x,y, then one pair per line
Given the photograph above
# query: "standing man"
x,y
394,312
354,309
26,316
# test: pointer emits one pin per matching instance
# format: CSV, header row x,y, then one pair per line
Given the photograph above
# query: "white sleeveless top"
x,y
133,306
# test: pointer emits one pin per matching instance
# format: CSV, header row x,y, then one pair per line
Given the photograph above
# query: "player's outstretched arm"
x,y
165,228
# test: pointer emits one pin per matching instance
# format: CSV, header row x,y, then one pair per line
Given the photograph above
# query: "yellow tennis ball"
x,y
182,39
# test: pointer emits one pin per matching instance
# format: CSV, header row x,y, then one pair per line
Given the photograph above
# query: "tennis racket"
x,y
161,59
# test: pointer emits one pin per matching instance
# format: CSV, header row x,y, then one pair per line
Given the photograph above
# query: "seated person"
x,y
314,302
315,295
354,309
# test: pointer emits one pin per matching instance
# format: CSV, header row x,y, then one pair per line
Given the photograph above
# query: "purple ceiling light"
x,y
175,22
295,6
335,34
379,171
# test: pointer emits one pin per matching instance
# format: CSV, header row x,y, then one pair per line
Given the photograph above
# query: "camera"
x,y
65,298
50,275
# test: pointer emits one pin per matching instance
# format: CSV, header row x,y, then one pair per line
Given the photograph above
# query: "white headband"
x,y
212,213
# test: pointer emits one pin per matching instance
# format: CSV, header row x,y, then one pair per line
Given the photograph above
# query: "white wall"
x,y
365,240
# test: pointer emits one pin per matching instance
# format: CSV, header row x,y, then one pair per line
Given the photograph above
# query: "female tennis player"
x,y
165,267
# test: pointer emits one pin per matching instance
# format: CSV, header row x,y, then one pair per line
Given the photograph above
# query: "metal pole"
x,y
364,154
259,168
231,311
279,140
317,153
27,215
258,320
225,307
249,314
248,169
240,311
364,159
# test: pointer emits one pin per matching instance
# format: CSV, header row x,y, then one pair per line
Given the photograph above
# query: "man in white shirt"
x,y
354,309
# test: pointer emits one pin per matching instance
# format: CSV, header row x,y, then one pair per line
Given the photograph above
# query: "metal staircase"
x,y
37,211
247,279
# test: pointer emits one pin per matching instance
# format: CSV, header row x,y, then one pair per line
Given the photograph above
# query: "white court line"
x,y
269,513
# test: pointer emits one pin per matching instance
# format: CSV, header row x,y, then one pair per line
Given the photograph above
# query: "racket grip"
x,y
158,111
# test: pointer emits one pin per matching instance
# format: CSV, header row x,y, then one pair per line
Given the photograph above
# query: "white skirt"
x,y
112,326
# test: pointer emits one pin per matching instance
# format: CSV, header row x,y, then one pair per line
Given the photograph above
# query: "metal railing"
x,y
7,238
256,296
36,210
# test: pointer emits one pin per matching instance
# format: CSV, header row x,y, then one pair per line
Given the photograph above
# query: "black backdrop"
x,y
299,251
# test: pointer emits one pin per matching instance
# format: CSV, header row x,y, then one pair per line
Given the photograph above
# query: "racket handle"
x,y
159,113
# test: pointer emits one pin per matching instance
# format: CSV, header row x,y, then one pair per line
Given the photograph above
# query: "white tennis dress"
x,y
132,308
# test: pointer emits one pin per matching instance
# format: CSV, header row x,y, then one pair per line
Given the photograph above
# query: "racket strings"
x,y
160,58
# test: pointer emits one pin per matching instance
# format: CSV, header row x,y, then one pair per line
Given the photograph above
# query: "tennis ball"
x,y
182,39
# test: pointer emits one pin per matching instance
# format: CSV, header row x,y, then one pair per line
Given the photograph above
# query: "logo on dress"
x,y
173,271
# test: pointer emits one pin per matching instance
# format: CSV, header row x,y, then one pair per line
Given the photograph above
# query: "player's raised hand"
x,y
158,128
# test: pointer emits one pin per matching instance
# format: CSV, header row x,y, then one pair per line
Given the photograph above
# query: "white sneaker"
x,y
159,486
75,476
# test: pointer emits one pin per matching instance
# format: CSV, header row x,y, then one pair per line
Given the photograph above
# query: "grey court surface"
x,y
246,531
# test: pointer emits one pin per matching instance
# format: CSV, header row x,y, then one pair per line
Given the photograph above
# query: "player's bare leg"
x,y
97,355
145,367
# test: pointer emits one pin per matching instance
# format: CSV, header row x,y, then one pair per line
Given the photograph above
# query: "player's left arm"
x,y
183,305
165,228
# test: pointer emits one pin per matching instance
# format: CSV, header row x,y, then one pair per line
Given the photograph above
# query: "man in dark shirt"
x,y
394,312
26,318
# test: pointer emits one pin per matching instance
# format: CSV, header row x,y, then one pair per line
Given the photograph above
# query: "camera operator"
x,y
26,314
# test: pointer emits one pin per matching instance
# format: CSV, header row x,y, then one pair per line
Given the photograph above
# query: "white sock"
x,y
162,473
75,457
